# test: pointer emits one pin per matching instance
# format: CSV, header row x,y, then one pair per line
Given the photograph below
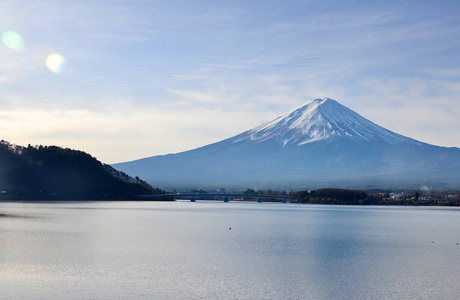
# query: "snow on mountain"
x,y
321,119
319,144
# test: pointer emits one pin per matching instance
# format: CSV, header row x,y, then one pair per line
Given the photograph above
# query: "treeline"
x,y
359,197
320,196
265,193
51,172
333,196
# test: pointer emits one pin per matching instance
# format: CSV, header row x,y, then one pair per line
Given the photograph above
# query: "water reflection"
x,y
185,250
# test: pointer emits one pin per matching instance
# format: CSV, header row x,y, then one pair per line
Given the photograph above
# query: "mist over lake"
x,y
216,250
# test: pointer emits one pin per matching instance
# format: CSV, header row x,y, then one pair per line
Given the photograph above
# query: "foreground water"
x,y
184,250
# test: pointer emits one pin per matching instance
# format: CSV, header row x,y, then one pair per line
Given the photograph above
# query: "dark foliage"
x,y
332,196
265,193
378,197
50,172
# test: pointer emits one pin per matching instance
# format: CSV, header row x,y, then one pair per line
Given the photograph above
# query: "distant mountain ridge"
x,y
319,144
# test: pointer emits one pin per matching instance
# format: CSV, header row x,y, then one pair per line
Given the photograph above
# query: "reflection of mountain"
x,y
57,173
319,144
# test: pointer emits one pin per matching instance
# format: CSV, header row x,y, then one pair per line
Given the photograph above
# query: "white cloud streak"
x,y
152,77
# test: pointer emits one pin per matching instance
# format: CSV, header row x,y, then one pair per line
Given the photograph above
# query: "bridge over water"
x,y
215,197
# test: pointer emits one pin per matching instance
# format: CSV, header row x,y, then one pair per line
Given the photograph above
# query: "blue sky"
x,y
145,78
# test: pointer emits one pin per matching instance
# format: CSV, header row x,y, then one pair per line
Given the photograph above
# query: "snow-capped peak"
x,y
317,120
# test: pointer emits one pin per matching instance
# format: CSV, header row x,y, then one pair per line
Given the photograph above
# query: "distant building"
x,y
397,196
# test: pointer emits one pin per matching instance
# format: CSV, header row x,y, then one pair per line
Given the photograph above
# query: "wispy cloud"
x,y
186,75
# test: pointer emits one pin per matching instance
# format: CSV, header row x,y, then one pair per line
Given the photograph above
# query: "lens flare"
x,y
56,62
13,40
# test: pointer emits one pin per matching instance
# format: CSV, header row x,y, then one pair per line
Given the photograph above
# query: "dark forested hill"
x,y
50,172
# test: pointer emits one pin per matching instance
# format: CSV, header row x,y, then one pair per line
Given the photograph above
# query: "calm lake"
x,y
216,250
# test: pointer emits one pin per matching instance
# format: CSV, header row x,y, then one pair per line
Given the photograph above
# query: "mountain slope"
x,y
318,120
50,172
319,144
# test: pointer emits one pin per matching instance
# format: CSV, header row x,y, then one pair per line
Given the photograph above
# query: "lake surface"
x,y
185,250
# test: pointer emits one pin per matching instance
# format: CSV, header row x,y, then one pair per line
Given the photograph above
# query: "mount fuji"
x,y
319,144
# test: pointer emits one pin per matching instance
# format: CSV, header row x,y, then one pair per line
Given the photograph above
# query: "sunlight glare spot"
x,y
56,62
13,40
